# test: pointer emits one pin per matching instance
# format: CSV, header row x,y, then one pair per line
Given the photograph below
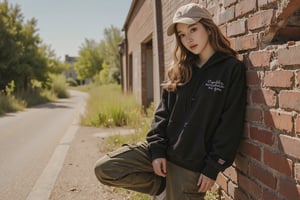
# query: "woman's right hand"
x,y
160,166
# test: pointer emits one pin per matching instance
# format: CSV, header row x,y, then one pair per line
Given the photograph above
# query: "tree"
x,y
54,65
21,58
101,60
89,60
112,39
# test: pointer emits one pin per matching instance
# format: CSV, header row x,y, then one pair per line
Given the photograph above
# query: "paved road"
x,y
29,140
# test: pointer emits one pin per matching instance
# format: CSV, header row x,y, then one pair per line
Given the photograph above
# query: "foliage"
x,y
89,60
71,82
54,65
112,39
104,73
11,101
23,57
8,102
59,85
101,61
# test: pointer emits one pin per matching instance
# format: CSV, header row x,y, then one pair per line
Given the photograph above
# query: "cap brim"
x,y
171,28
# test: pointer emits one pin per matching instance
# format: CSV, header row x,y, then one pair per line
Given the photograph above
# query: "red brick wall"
x,y
268,162
267,165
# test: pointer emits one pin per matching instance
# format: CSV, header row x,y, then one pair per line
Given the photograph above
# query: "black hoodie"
x,y
200,125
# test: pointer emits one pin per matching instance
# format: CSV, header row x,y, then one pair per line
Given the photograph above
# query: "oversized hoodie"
x,y
200,125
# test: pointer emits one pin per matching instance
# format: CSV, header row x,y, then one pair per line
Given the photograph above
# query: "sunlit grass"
x,y
109,107
10,104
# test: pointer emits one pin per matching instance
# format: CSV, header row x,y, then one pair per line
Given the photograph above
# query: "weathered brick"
x,y
232,43
239,194
263,175
254,115
289,55
229,2
223,29
289,189
253,78
231,173
289,145
246,42
263,136
249,185
236,28
202,3
265,3
261,19
213,11
260,58
235,192
251,150
279,120
269,195
222,181
226,16
289,100
272,159
297,171
264,97
297,128
298,78
226,196
246,130
245,7
282,79
232,188
241,163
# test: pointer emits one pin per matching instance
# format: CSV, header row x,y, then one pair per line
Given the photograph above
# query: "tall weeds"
x,y
109,107
59,86
12,101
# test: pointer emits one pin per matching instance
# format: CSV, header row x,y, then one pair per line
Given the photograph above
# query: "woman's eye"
x,y
193,30
181,35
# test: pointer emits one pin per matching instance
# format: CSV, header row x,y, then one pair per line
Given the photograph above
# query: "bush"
x,y
71,82
9,103
59,85
36,96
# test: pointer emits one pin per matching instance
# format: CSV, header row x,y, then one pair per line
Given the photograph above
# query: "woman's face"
x,y
194,37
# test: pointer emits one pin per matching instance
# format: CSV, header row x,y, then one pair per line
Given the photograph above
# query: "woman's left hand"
x,y
205,183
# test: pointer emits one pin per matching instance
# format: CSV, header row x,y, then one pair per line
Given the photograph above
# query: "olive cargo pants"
x,y
130,167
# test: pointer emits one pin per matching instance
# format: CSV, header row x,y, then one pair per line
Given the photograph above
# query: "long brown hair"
x,y
180,72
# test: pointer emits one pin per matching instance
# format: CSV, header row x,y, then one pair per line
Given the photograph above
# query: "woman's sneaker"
x,y
161,196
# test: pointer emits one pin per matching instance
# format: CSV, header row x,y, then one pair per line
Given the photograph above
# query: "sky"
x,y
65,24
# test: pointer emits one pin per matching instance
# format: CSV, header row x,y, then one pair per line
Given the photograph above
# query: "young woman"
x,y
198,124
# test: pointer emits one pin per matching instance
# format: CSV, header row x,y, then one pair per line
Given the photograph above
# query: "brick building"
x,y
266,34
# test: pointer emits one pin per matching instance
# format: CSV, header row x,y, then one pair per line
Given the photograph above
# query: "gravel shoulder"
x,y
76,180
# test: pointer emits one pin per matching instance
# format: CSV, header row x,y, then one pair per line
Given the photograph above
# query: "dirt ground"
x,y
76,180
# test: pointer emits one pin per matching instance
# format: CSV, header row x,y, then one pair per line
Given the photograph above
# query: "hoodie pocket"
x,y
190,144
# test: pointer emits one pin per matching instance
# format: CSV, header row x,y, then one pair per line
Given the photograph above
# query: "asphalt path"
x,y
33,145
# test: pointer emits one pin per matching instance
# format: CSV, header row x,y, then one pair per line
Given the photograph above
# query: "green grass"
x,y
109,107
